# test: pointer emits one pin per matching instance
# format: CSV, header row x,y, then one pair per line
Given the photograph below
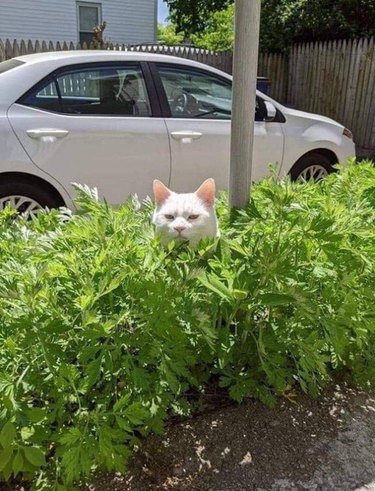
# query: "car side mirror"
x,y
271,111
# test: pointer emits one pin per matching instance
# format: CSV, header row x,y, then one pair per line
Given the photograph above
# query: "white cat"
x,y
185,217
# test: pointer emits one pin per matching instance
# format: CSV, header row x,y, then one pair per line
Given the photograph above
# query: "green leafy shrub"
x,y
103,331
167,34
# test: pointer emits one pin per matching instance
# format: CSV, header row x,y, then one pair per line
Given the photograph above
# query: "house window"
x,y
89,16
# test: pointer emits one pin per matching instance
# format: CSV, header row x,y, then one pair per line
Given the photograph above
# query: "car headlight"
x,y
348,133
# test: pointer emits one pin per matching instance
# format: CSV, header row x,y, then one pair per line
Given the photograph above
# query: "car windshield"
x,y
5,66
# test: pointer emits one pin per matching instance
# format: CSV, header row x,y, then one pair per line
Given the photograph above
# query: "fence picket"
x,y
37,48
359,94
8,49
352,82
16,48
369,109
30,49
327,65
2,51
335,69
292,96
350,79
363,109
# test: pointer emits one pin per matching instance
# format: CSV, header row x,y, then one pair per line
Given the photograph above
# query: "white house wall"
x,y
128,21
134,19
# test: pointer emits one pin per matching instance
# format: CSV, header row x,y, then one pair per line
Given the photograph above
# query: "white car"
x,y
118,120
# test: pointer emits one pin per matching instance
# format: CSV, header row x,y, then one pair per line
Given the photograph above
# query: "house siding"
x,y
128,21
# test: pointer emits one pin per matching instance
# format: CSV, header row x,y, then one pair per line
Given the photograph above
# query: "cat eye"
x,y
169,217
193,217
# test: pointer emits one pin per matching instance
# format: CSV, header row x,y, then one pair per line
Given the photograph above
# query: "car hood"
x,y
294,113
289,112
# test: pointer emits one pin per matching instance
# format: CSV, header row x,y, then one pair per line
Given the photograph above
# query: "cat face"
x,y
185,217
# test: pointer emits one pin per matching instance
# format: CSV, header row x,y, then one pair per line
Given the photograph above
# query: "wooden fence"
x,y
335,78
276,68
222,61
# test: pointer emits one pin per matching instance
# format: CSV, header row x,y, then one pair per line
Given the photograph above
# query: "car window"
x,y
5,66
195,94
109,90
198,94
46,98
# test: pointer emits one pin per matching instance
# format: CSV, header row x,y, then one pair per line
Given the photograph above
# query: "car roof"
x,y
81,56
97,53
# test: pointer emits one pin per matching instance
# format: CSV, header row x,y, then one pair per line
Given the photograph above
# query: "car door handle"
x,y
186,136
51,132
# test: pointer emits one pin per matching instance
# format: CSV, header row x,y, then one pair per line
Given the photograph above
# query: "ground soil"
x,y
302,444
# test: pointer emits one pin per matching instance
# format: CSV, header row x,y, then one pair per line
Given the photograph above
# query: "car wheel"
x,y
312,167
27,197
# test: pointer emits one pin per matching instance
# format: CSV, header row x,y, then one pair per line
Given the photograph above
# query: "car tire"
x,y
313,166
27,197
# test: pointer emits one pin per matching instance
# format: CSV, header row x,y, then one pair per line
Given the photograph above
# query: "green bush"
x,y
103,331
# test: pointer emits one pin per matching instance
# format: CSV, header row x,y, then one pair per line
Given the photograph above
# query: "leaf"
x,y
17,465
274,299
35,456
155,406
240,295
26,433
121,403
71,464
215,285
5,456
93,372
7,471
70,437
136,413
124,425
36,414
253,211
210,336
7,434
322,272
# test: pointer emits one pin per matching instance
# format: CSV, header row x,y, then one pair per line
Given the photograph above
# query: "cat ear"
x,y
161,192
207,192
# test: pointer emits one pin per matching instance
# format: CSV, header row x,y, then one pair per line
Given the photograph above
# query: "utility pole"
x,y
245,69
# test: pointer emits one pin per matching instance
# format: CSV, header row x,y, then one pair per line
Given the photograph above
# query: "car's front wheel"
x,y
312,167
27,197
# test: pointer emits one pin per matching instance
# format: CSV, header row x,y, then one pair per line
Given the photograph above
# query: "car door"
x,y
96,124
197,105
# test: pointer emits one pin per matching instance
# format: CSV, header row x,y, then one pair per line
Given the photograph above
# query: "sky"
x,y
162,11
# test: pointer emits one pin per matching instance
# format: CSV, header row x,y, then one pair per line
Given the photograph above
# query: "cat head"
x,y
185,217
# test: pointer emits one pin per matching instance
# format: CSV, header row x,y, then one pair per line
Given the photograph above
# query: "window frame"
x,y
96,5
163,99
155,108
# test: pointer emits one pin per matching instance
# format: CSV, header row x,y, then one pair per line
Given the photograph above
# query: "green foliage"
x,y
103,331
168,35
219,32
283,22
190,16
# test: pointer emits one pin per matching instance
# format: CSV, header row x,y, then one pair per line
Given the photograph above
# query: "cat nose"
x,y
179,229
